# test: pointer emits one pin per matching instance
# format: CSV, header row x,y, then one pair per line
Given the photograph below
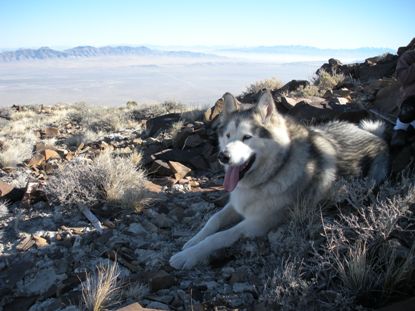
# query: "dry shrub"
x,y
115,180
271,84
326,81
100,290
357,252
123,183
320,84
16,151
308,91
367,244
287,288
99,119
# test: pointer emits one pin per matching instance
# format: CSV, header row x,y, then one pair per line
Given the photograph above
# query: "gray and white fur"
x,y
271,161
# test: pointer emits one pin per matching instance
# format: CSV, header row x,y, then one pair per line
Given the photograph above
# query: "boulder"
x,y
160,123
292,86
212,113
373,68
386,99
410,46
332,66
322,111
192,157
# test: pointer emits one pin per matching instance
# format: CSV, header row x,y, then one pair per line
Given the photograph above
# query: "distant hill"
x,y
44,53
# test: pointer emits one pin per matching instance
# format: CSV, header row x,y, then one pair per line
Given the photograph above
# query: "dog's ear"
x,y
266,106
230,104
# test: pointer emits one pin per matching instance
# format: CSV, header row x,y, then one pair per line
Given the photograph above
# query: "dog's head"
x,y
247,137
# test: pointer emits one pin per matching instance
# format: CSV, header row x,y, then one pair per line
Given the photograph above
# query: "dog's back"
x,y
360,150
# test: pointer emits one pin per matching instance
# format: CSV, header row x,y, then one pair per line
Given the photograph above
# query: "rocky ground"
x,y
49,249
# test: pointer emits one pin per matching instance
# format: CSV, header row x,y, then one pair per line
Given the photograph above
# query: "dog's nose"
x,y
224,157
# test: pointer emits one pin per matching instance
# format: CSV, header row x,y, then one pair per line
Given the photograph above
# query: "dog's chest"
x,y
248,203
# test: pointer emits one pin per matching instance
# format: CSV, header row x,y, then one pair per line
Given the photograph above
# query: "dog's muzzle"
x,y
224,157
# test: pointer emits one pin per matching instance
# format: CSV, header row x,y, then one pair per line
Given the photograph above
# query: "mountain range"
x,y
44,53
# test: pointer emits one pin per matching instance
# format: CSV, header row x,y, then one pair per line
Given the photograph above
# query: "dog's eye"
x,y
246,137
228,135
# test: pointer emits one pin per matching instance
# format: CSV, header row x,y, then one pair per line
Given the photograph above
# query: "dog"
x,y
270,161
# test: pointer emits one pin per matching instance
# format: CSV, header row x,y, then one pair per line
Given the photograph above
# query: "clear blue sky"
x,y
320,23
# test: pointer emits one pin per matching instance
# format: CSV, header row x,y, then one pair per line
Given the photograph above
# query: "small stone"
x,y
194,183
36,160
155,305
161,280
136,307
152,187
51,132
242,287
341,101
137,228
25,244
40,242
51,154
108,223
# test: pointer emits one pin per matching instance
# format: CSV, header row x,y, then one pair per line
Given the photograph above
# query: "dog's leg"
x,y
189,257
225,216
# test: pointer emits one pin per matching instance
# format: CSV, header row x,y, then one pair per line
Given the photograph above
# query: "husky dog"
x,y
271,161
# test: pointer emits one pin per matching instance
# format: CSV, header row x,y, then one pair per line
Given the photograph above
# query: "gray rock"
x,y
137,228
242,287
157,305
40,282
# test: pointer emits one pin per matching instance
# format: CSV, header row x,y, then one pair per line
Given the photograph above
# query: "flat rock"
x,y
179,170
25,244
51,154
5,188
136,307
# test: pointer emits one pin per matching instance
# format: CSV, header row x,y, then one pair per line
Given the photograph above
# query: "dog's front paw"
x,y
192,242
185,259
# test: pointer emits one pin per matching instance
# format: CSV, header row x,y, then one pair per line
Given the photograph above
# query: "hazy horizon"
x,y
222,28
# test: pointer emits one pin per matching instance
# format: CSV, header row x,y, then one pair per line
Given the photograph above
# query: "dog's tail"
x,y
376,127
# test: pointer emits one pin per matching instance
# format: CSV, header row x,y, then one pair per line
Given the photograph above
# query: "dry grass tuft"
x,y
135,291
175,128
271,84
4,209
100,290
115,180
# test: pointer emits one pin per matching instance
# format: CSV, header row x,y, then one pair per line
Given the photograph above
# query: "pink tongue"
x,y
231,178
